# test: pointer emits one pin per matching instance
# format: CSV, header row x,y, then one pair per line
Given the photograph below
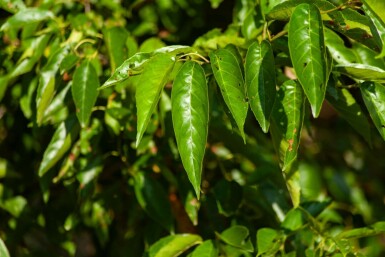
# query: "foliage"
x,y
125,128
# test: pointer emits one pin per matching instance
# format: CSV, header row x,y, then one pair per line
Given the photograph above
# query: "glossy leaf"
x,y
3,249
228,71
85,91
378,7
268,241
336,46
47,85
153,199
26,16
206,249
307,52
362,71
260,81
152,80
349,109
115,39
377,23
190,116
174,245
287,120
374,98
237,236
60,143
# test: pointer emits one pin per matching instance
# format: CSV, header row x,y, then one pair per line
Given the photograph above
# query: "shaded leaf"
x,y
206,249
260,81
287,120
373,230
85,91
228,195
361,71
307,52
174,245
26,16
237,236
190,116
374,98
228,71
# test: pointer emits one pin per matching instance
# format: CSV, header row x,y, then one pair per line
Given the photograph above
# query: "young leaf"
x,y
85,91
307,52
190,115
60,143
228,71
206,249
362,71
286,122
174,245
260,81
152,80
374,98
26,16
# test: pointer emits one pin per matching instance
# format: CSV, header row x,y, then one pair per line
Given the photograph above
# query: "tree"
x,y
123,132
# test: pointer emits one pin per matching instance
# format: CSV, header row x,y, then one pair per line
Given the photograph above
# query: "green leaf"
x,y
269,241
373,230
152,80
206,249
307,52
115,39
228,195
377,7
174,245
338,50
46,88
153,199
362,71
85,91
190,116
237,236
374,98
26,16
349,109
377,25
3,249
260,81
228,71
287,120
294,220
215,3
60,143
151,44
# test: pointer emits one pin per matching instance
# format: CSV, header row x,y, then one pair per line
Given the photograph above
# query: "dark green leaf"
x,y
60,143
268,241
190,116
152,80
237,236
260,81
85,91
206,249
228,71
4,251
374,98
26,16
115,39
228,195
175,245
362,71
307,52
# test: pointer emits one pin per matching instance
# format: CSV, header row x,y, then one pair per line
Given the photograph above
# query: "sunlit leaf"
x,y
26,16
4,251
362,71
206,249
268,241
237,236
375,229
174,245
115,38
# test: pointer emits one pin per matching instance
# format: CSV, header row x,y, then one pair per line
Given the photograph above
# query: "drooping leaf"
x,y
60,143
374,98
85,91
237,236
3,249
26,16
115,39
286,122
349,109
362,71
190,109
174,245
206,249
307,52
268,241
46,88
228,71
153,199
260,81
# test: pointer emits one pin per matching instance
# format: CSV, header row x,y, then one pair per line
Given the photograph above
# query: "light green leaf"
x,y
26,16
294,220
174,245
151,44
206,249
373,230
377,25
115,39
3,249
260,81
268,5
237,236
362,71
12,6
14,205
153,199
46,88
340,53
228,71
60,143
57,106
377,7
85,91
374,98
152,80
286,122
269,241
190,116
307,52
215,3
